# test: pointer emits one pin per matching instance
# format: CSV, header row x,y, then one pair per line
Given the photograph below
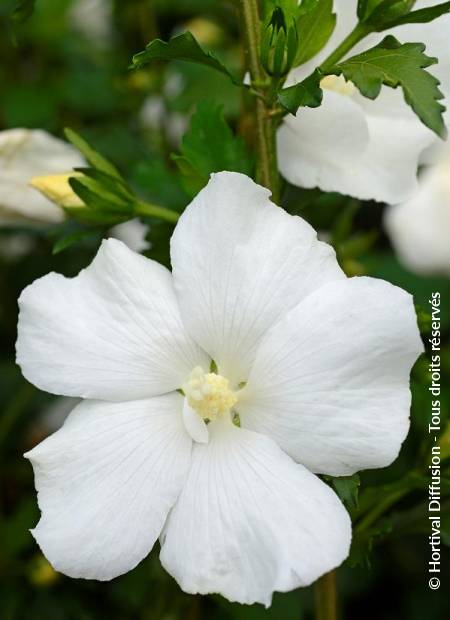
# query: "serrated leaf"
x,y
304,94
314,27
182,47
210,146
395,64
95,159
422,16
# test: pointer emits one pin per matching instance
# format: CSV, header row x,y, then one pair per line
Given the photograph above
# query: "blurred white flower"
x,y
26,153
133,233
419,228
15,246
94,19
355,146
155,116
314,366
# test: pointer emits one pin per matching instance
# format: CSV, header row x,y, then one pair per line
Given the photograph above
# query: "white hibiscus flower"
x,y
355,146
420,227
26,153
312,365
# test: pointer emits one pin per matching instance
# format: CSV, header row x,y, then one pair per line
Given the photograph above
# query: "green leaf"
x,y
97,198
395,64
379,12
422,16
423,319
304,94
362,544
347,487
210,146
182,47
314,27
68,240
112,185
95,159
92,217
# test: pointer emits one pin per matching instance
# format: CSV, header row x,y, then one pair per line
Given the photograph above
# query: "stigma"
x,y
209,394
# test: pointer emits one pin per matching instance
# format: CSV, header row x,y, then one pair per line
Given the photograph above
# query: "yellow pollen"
x,y
208,394
338,84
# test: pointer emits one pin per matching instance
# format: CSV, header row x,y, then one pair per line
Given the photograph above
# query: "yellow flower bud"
x,y
56,188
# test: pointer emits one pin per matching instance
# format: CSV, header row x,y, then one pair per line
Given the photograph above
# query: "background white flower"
x,y
420,227
29,153
315,364
94,19
26,153
133,233
355,146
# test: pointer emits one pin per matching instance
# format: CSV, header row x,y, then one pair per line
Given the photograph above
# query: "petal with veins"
x,y
330,382
239,263
106,482
114,332
250,521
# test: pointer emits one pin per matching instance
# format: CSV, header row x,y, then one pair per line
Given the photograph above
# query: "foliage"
x,y
395,64
305,93
182,47
209,146
315,27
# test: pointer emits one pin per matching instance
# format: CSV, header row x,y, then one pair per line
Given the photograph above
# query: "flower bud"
x,y
279,44
56,188
379,13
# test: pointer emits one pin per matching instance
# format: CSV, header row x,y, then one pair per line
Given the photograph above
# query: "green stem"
x,y
357,34
266,154
374,514
162,213
325,597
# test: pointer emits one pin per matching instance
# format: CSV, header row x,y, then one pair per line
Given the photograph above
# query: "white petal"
x,y
239,262
341,147
194,424
26,153
330,382
420,227
113,332
106,482
250,521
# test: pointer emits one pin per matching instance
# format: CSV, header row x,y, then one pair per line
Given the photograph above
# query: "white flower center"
x,y
338,84
208,394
